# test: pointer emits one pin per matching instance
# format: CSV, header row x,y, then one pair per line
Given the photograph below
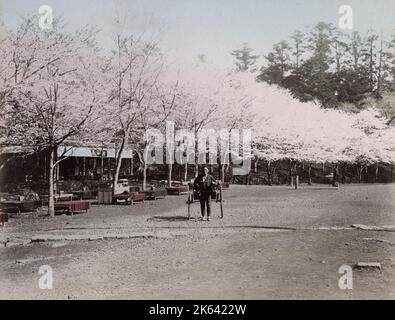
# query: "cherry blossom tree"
x,y
199,108
53,81
153,116
304,132
374,144
234,110
135,67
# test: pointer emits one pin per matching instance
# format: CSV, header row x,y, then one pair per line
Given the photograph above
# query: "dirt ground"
x,y
273,243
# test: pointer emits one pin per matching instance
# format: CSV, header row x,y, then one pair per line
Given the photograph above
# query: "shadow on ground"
x,y
170,218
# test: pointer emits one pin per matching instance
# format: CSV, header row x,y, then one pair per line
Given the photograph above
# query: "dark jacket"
x,y
204,188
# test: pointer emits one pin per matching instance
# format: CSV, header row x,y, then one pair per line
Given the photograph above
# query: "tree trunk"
x,y
144,176
94,168
269,173
376,173
290,172
335,176
380,69
101,167
145,167
344,173
4,163
45,165
186,171
274,173
366,174
309,174
197,154
296,181
119,160
51,195
223,172
359,170
55,171
169,173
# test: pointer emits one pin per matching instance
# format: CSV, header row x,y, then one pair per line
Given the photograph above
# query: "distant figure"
x,y
204,186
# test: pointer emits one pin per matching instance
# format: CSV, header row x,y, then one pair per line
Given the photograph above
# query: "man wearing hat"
x,y
204,186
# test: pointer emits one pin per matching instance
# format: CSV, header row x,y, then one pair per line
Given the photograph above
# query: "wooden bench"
x,y
72,206
19,206
155,194
84,194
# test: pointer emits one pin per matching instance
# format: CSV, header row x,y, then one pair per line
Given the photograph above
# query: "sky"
x,y
189,28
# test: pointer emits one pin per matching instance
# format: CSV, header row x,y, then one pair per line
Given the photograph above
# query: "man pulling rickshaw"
x,y
204,188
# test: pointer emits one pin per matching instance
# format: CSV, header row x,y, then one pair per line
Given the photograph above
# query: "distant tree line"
x,y
344,71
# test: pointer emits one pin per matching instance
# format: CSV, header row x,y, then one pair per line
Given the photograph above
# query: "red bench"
x,y
138,196
72,206
3,218
129,197
225,185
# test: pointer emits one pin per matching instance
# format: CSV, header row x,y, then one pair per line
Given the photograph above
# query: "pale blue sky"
x,y
210,27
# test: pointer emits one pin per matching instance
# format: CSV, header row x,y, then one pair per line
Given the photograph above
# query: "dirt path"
x,y
240,257
228,265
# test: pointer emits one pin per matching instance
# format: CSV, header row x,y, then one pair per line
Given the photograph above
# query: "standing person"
x,y
204,185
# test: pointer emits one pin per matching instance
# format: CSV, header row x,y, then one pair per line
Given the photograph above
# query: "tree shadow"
x,y
318,188
171,218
